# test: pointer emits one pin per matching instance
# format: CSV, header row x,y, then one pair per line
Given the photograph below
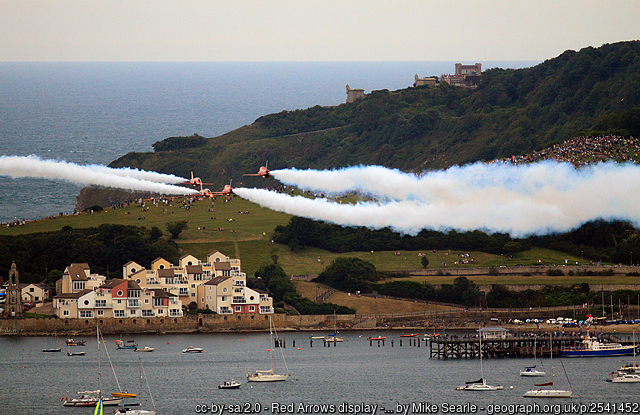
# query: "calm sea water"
x,y
353,372
90,113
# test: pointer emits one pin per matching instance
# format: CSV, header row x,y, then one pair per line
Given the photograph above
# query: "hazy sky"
x,y
309,30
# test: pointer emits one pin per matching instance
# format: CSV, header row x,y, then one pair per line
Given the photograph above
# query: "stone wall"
x,y
187,324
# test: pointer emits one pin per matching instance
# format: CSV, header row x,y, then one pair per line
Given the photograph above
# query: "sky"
x,y
309,30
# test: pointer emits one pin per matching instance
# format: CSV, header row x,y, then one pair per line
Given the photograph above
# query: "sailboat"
x,y
130,411
269,375
51,349
531,370
549,393
480,384
334,337
629,373
92,398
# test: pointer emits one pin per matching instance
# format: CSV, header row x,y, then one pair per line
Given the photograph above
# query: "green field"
x,y
243,230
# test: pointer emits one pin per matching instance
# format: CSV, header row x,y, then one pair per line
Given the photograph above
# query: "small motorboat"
x,y
75,353
51,350
192,349
229,385
130,344
376,338
144,349
410,335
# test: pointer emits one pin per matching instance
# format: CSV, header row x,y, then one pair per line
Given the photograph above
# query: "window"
x,y
118,313
158,302
161,311
161,267
100,312
132,312
224,290
133,303
184,291
174,313
238,309
146,301
138,280
119,293
147,313
86,314
252,308
133,293
101,303
32,289
65,313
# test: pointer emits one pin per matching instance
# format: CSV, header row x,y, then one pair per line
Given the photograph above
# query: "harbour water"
x,y
353,372
94,112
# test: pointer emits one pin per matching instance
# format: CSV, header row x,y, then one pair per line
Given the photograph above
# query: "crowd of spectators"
x,y
581,151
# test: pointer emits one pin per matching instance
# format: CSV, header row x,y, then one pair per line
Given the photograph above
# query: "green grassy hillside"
x,y
512,112
243,230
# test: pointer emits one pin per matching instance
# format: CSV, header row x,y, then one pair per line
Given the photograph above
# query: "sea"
x,y
95,112
356,377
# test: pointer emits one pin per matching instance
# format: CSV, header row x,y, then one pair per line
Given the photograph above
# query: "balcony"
x,y
225,311
104,304
266,310
134,303
239,300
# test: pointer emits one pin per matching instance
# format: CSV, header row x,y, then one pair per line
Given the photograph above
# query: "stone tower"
x,y
13,304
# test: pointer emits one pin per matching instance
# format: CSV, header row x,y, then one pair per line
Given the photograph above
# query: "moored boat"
x,y
71,342
130,344
624,377
478,386
547,393
144,349
269,375
192,349
594,348
229,385
376,338
90,398
531,371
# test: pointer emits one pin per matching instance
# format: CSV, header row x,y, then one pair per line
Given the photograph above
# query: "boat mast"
x,y
99,374
481,371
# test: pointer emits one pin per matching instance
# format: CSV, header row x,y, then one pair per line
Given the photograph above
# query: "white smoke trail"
x,y
520,200
32,166
151,176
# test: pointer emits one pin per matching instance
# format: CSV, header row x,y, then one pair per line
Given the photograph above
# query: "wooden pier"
x,y
460,348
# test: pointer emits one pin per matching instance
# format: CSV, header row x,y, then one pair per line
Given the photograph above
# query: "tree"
x,y
175,228
424,261
155,234
349,274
